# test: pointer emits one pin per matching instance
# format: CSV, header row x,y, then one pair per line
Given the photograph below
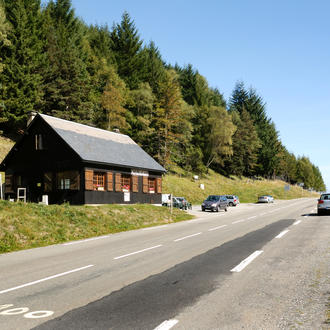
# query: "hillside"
x,y
246,189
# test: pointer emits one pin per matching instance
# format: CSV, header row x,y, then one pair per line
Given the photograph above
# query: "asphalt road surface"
x,y
254,267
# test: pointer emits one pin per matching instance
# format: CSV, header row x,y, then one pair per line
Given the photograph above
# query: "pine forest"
x,y
53,63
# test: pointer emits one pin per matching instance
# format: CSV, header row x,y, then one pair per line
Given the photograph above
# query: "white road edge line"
x,y
45,279
238,221
282,233
166,325
246,261
297,222
86,240
215,228
130,254
252,217
155,227
180,239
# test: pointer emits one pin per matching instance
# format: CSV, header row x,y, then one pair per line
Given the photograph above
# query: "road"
x,y
257,266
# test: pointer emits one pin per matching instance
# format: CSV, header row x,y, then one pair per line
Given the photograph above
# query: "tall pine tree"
x,y
67,81
127,47
21,81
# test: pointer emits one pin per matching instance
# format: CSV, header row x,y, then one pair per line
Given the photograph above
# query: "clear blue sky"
x,y
279,47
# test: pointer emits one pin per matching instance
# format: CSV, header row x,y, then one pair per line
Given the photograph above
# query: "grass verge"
x,y
24,226
246,189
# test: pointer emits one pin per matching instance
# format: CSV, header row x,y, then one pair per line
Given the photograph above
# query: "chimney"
x,y
31,116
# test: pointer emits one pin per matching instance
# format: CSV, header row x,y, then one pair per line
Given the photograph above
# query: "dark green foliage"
x,y
66,79
127,47
21,81
246,145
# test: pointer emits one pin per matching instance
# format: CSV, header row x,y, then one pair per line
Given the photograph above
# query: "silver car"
x,y
266,199
323,204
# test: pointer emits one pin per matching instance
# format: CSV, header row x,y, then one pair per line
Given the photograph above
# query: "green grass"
x,y
246,189
30,225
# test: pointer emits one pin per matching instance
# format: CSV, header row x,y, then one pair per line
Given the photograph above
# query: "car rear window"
x,y
325,197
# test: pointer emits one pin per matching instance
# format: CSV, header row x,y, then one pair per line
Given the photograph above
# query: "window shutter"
x,y
145,184
9,183
135,183
118,182
89,180
159,185
109,181
75,180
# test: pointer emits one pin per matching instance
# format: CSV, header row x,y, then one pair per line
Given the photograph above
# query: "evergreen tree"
x,y
4,28
141,106
127,47
154,68
67,81
21,81
245,146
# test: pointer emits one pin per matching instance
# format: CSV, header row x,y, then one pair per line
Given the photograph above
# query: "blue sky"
x,y
279,47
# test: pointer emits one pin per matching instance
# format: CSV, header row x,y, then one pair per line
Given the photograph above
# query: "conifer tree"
x,y
154,69
245,145
21,81
4,28
67,81
127,47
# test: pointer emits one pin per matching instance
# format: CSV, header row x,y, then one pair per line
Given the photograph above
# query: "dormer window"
x,y
39,142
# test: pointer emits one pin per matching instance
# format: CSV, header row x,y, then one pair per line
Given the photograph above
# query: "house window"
x,y
151,185
68,180
99,181
126,182
39,142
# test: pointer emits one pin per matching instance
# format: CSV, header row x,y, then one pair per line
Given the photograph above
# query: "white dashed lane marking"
x,y
182,238
166,325
136,252
45,279
246,261
282,233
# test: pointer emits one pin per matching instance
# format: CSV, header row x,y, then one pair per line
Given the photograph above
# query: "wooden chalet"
x,y
79,164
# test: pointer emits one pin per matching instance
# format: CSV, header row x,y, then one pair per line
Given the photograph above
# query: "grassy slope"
x,y
246,189
31,225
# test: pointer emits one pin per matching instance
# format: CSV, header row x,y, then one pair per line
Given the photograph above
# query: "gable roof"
x,y
101,146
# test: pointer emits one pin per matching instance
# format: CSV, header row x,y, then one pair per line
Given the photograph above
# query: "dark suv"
x,y
215,203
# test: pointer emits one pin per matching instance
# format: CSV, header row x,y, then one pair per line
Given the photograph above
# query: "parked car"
x,y
215,203
185,204
323,204
266,199
233,200
178,202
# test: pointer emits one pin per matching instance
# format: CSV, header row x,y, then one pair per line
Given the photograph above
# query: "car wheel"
x,y
231,204
203,210
217,209
226,209
319,212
